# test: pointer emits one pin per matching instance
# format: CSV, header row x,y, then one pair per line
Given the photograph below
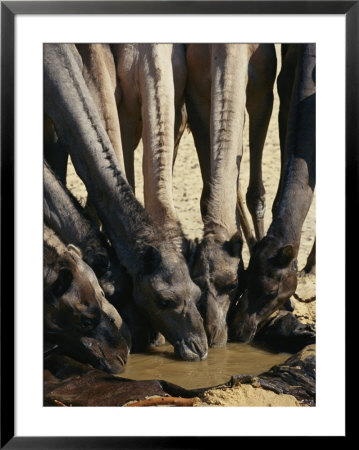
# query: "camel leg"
x,y
285,83
310,267
180,125
250,239
199,126
179,70
262,72
129,114
198,104
131,135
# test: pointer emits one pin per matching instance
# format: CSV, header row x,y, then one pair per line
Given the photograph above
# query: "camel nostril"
x,y
122,361
195,348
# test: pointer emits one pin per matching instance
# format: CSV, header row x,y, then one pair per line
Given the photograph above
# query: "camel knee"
x,y
256,202
257,206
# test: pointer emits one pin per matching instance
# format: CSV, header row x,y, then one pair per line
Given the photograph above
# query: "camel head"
x,y
270,280
77,317
167,296
217,268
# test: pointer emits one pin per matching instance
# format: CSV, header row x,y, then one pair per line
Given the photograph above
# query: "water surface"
x,y
218,368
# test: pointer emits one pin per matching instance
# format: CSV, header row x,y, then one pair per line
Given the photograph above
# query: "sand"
x,y
187,187
245,395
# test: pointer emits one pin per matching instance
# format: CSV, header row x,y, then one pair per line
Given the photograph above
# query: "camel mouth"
x,y
113,365
217,336
190,350
215,324
110,367
218,343
103,357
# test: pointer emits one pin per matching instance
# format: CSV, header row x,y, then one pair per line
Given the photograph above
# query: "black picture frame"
x,y
9,9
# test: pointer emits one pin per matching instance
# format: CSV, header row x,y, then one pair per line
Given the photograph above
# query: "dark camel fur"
x,y
163,290
77,316
271,277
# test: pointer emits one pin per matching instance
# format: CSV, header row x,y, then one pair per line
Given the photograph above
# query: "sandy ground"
x,y
245,395
187,187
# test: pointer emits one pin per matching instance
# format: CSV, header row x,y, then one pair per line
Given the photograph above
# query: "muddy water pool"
x,y
218,368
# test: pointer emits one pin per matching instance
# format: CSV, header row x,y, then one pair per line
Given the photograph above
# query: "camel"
x,y
162,287
310,266
151,82
271,277
285,84
99,72
219,77
77,316
67,218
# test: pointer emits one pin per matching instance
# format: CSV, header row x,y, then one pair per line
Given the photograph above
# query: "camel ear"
x,y
234,245
190,251
62,283
285,255
74,250
151,260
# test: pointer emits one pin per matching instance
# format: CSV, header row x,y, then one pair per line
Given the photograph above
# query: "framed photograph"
x,y
26,29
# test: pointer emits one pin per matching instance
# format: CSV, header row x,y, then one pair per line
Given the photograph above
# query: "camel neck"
x,y
292,209
62,212
78,124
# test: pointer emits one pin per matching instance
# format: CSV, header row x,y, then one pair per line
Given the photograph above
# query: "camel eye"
x,y
271,295
227,289
63,282
164,303
87,324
